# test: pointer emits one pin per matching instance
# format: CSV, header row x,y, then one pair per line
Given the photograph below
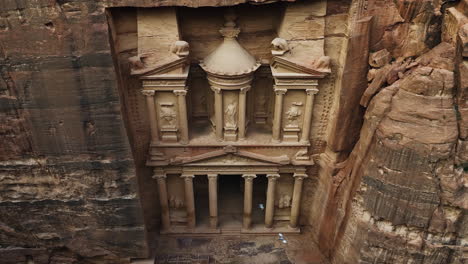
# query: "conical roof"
x,y
230,58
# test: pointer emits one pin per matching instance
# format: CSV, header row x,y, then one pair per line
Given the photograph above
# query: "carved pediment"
x,y
289,65
170,65
230,156
230,160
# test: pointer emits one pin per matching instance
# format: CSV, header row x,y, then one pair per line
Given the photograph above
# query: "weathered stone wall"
x,y
400,196
73,185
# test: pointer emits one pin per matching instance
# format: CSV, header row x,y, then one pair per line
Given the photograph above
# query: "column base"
x,y
291,134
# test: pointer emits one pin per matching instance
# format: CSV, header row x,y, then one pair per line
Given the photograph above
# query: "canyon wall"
x,y
391,187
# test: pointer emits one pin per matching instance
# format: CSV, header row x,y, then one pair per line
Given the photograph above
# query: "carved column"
x,y
213,193
278,113
160,176
309,105
183,121
248,192
152,114
270,202
219,112
242,111
296,200
189,199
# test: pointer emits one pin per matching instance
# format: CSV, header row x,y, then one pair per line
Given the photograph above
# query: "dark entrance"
x,y
259,199
230,201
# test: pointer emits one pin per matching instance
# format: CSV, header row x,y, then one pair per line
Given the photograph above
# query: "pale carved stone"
x,y
236,100
168,115
280,46
180,48
230,115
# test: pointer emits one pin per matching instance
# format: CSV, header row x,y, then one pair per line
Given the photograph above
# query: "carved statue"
x,y
231,115
180,48
294,113
168,116
280,46
284,201
175,202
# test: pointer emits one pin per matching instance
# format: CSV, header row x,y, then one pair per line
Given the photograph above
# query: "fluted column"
x,y
161,177
189,199
248,192
278,113
152,114
213,193
242,111
270,203
296,200
219,112
309,105
183,120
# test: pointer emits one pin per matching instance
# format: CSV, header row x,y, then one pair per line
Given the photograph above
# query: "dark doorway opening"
x,y
259,199
230,201
202,211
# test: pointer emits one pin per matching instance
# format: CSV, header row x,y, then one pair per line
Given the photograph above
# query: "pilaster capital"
x,y
148,92
280,91
159,174
273,176
249,177
215,89
187,177
244,89
312,91
300,176
212,176
180,92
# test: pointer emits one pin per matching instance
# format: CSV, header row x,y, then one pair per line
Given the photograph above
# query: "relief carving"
x,y
284,201
230,115
293,114
168,115
175,202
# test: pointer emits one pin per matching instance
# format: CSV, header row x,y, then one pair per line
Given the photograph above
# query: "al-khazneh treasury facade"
x,y
230,133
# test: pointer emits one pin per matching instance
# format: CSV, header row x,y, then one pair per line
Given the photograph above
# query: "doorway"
x,y
230,201
259,199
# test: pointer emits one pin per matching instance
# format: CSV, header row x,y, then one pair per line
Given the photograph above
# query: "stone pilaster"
x,y
213,194
270,203
309,106
189,199
248,192
152,114
278,113
183,120
161,177
296,200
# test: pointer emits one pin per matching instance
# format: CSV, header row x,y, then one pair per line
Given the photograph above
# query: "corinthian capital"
x,y
312,91
180,92
148,92
280,91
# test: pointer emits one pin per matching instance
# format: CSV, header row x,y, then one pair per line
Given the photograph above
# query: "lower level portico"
x,y
230,198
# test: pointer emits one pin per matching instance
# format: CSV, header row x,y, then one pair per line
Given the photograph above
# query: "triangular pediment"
x,y
231,160
231,157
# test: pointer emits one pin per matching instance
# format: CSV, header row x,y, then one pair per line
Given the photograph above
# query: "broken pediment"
x,y
289,65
